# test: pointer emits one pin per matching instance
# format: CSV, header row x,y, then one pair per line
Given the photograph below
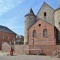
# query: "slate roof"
x,y
30,12
6,29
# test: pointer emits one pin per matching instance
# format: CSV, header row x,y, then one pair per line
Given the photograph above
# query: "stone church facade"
x,y
42,31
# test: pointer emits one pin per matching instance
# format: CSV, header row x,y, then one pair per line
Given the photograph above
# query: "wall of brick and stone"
x,y
45,49
39,39
6,47
21,49
6,37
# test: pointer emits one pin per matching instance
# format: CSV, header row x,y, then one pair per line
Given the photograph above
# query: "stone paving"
x,y
27,57
3,56
3,53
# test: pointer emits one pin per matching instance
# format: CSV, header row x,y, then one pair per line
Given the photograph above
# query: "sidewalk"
x,y
3,53
7,54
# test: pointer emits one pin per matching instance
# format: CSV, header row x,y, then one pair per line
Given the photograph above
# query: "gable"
x,y
42,22
49,13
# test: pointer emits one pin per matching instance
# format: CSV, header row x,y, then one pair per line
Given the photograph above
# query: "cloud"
x,y
5,5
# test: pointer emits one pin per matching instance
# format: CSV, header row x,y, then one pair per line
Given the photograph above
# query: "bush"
x,y
56,54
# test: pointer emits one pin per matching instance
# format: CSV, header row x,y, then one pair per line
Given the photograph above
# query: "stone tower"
x,y
57,18
30,19
57,22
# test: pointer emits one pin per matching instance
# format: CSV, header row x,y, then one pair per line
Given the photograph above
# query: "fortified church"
x,y
42,31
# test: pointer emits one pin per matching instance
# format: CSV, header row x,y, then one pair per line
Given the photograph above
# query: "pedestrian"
x,y
11,51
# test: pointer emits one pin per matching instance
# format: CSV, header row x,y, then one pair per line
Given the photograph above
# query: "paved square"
x,y
27,57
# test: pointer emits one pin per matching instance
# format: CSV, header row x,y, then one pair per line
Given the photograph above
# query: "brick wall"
x,y
8,36
4,38
46,49
20,49
46,44
6,47
39,39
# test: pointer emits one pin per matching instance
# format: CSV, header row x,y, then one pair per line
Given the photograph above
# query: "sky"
x,y
12,12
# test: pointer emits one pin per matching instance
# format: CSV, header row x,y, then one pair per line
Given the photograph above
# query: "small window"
x,y
44,14
5,37
39,25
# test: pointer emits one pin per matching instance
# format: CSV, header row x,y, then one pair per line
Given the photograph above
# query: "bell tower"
x,y
30,19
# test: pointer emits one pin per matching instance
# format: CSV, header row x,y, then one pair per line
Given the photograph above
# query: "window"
x,y
45,33
34,33
5,37
39,25
44,14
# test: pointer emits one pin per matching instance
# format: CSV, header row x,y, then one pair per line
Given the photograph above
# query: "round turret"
x,y
30,19
57,18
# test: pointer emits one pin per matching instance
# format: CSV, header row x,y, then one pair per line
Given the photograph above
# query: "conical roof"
x,y
30,11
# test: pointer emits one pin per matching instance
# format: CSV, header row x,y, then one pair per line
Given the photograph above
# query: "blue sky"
x,y
12,12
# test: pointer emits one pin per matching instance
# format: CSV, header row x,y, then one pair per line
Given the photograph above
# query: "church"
x,y
42,31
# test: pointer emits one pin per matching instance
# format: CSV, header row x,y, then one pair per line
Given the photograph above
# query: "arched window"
x,y
45,32
34,33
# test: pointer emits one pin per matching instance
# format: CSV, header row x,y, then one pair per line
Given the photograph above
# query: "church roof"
x,y
30,12
6,29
